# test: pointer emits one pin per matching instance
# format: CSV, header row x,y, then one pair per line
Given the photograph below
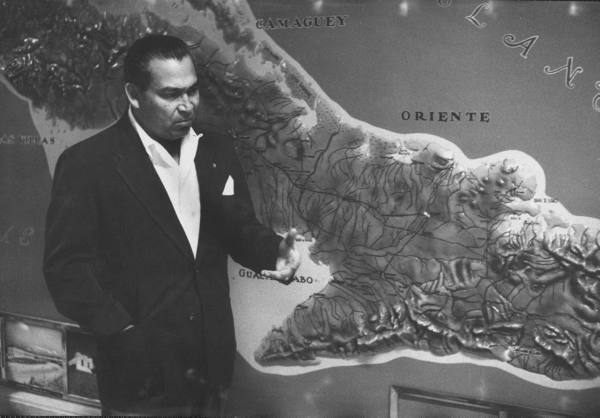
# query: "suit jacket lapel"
x,y
136,169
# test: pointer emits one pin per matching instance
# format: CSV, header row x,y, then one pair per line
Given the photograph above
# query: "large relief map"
x,y
410,248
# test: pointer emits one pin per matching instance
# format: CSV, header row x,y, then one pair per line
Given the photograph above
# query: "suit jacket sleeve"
x,y
71,260
251,244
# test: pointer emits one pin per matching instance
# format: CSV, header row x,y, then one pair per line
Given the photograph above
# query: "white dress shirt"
x,y
179,179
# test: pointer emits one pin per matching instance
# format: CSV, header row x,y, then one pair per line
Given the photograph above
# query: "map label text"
x,y
304,22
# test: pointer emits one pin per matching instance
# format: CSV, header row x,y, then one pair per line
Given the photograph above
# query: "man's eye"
x,y
171,96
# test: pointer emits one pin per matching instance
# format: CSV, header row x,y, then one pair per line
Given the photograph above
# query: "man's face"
x,y
166,109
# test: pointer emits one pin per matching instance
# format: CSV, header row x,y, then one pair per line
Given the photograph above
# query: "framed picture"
x,y
81,371
412,402
35,354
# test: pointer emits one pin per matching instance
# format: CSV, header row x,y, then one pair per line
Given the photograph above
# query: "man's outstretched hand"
x,y
287,262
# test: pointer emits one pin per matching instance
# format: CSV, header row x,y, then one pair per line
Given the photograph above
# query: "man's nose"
x,y
187,104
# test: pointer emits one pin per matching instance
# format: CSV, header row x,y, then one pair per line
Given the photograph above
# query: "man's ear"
x,y
133,94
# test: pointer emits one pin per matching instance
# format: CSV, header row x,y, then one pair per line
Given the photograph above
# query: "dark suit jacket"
x,y
116,254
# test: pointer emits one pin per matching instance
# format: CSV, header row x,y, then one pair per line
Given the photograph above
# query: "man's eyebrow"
x,y
171,90
179,89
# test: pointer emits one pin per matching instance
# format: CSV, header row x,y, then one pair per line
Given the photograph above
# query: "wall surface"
x,y
486,76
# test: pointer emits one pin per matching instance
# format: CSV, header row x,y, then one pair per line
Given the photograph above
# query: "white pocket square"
x,y
228,190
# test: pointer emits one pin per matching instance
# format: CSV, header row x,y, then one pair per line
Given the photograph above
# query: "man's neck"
x,y
172,146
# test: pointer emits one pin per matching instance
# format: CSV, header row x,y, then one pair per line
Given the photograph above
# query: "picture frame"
x,y
409,401
34,354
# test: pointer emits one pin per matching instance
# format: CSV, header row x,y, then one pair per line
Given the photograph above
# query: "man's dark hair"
x,y
142,51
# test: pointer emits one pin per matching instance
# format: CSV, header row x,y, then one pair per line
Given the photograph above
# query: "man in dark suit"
x,y
141,220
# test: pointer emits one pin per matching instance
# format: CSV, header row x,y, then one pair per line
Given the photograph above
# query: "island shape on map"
x,y
427,249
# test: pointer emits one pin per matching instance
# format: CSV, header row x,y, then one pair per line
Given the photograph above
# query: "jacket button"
x,y
191,374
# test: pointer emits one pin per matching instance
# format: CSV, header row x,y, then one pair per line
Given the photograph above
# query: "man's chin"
x,y
180,130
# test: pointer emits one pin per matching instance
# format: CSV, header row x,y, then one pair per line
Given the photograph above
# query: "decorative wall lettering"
x,y
26,236
473,16
570,73
596,99
526,44
14,235
5,237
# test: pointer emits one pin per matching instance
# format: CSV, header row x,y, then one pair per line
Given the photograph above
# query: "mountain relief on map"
x,y
426,248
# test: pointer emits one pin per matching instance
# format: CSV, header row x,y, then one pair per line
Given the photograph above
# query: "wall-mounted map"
x,y
411,247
